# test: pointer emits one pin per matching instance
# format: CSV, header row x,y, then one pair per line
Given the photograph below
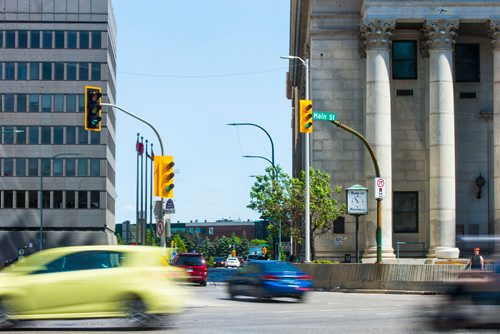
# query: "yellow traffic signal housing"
x,y
93,113
306,111
264,250
233,253
164,176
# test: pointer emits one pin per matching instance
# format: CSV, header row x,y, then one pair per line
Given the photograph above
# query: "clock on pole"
x,y
357,205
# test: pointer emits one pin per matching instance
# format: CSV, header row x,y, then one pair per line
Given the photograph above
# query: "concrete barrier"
x,y
407,277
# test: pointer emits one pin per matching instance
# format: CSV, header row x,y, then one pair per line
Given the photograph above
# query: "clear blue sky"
x,y
191,67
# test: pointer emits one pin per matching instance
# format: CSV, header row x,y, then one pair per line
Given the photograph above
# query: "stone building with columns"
x,y
421,81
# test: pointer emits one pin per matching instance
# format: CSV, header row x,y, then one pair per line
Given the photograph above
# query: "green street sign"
x,y
324,116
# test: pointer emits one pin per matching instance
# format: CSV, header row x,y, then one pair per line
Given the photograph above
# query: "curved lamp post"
x,y
40,199
261,157
275,175
307,218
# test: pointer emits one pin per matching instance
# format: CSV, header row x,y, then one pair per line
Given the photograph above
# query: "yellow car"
x,y
91,282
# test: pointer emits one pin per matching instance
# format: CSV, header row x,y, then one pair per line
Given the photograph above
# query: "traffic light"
x,y
164,176
233,253
306,110
264,250
93,108
172,243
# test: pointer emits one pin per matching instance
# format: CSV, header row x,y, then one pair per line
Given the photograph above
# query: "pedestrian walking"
x,y
477,261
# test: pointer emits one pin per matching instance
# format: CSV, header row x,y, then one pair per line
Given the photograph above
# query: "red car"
x,y
195,266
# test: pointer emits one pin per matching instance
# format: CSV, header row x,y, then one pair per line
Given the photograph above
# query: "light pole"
x,y
40,199
275,176
270,161
307,226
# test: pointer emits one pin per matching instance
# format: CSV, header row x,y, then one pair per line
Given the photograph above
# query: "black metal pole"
x,y
145,209
152,233
141,192
137,229
357,238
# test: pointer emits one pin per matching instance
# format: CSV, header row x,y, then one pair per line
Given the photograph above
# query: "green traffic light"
x,y
169,187
308,125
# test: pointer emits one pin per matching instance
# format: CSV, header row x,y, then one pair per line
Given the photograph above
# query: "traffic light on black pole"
x,y
167,177
93,108
306,121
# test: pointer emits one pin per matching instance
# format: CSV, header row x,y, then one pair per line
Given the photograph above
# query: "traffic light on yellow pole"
x,y
92,112
264,250
306,120
164,176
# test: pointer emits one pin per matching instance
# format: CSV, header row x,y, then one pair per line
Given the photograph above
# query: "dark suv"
x,y
195,266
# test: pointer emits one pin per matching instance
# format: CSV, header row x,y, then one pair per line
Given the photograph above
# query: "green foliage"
x,y
324,262
258,242
282,256
210,248
210,262
270,195
281,198
179,243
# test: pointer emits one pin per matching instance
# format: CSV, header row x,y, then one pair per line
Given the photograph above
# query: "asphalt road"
x,y
210,311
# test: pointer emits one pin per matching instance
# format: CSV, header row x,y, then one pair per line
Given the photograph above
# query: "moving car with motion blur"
x,y
219,261
269,279
232,262
91,282
195,266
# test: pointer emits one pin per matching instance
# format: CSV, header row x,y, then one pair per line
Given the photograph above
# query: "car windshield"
x,y
189,260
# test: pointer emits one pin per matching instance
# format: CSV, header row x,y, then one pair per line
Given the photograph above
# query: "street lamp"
x,y
275,174
270,161
40,199
307,226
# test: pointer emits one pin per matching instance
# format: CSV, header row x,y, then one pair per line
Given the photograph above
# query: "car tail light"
x,y
270,277
305,277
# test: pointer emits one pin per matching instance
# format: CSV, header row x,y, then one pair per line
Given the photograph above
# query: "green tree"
x,y
179,243
270,195
324,207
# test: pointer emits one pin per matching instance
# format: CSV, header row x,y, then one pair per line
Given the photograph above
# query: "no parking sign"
x,y
379,188
160,228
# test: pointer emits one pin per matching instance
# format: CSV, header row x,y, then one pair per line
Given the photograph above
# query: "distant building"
x,y
225,227
50,50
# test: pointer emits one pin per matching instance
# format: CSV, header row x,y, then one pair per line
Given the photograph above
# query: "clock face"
x,y
357,202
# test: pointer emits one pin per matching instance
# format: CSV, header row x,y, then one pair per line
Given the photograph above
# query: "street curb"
x,y
387,292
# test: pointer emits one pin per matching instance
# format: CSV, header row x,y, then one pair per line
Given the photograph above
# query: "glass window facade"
x,y
59,39
33,167
47,39
467,67
35,39
96,39
72,39
34,71
83,167
22,39
405,211
404,60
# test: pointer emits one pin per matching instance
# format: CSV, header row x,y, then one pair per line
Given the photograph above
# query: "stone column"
x,y
376,42
440,39
495,43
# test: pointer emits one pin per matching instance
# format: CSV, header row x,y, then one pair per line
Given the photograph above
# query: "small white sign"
x,y
160,228
379,188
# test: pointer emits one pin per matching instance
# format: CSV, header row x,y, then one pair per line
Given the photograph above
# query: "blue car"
x,y
268,279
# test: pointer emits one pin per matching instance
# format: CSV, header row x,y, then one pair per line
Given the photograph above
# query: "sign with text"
x,y
323,116
379,188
